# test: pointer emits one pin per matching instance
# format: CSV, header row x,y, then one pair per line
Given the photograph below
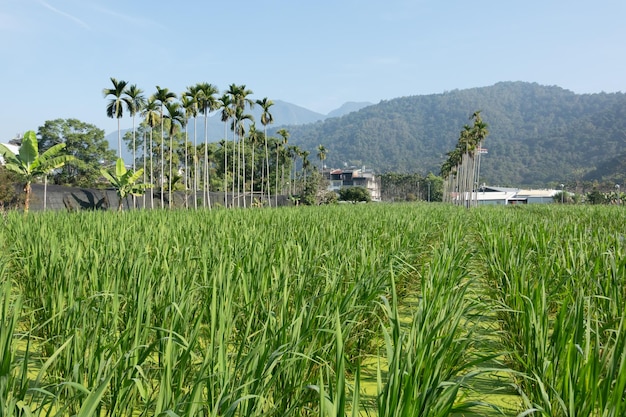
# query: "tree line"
x,y
246,164
461,171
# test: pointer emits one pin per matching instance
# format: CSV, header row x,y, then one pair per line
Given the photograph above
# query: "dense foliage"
x,y
8,190
85,142
539,135
410,187
355,194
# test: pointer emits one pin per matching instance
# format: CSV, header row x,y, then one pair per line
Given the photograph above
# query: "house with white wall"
x,y
354,177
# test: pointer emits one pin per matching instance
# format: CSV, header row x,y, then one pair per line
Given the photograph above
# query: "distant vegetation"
x,y
539,135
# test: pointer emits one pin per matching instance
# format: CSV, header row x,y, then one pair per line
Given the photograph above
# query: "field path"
x,y
495,385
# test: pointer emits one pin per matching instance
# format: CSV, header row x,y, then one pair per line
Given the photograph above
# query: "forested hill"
x,y
538,134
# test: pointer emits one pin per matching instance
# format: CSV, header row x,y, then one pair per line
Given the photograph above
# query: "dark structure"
x,y
60,197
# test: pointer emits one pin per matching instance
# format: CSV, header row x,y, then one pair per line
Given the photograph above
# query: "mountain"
x,y
538,134
347,108
287,114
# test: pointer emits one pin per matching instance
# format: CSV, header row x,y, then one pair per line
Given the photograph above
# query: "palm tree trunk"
x,y
293,181
276,190
225,164
169,180
238,168
162,160
206,159
144,167
119,139
234,162
267,162
243,168
151,170
282,178
252,176
186,167
45,191
195,163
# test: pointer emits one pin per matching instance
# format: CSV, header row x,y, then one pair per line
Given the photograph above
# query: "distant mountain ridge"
x,y
539,135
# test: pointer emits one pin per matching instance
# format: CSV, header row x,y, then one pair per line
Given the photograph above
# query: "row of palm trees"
x,y
164,112
461,171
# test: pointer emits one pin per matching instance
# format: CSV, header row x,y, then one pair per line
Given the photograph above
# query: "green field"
x,y
381,310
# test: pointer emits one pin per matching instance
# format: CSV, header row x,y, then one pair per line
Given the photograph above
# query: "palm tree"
x,y
177,118
279,145
135,102
145,156
151,117
163,95
115,107
253,137
225,103
239,96
305,165
193,93
284,134
294,152
240,130
29,164
321,154
480,133
462,162
206,104
233,92
190,108
266,119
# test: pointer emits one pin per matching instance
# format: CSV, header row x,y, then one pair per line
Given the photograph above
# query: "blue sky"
x,y
58,55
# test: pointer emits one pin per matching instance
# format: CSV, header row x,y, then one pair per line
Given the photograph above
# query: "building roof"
x,y
537,193
12,148
489,188
495,195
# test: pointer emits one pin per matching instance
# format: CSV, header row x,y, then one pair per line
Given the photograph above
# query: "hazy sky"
x,y
58,55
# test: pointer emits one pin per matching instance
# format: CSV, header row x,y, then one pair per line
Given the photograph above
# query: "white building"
x,y
355,177
505,196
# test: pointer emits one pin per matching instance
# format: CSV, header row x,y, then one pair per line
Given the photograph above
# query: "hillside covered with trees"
x,y
538,135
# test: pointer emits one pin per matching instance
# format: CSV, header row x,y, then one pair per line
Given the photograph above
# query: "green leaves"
x,y
125,181
29,150
29,164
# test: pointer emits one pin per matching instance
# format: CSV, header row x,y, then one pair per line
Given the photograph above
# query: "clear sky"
x,y
58,55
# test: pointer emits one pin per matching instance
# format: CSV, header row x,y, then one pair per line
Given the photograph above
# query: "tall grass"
x,y
282,312
429,361
560,277
220,313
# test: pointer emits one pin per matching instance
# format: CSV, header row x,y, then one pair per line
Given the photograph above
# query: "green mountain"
x,y
539,135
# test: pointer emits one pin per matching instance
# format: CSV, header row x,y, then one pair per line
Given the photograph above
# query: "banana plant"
x,y
125,181
30,165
